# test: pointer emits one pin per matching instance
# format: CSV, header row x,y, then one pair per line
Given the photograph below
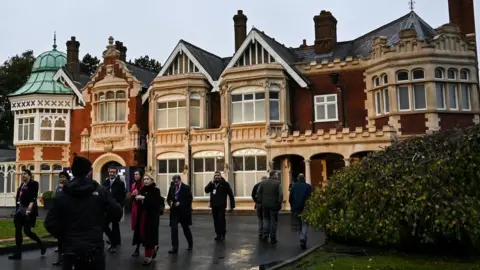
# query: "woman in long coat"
x,y
136,187
148,217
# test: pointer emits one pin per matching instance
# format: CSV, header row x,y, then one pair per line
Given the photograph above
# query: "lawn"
x,y
7,229
320,259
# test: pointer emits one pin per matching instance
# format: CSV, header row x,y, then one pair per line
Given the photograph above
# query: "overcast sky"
x,y
153,27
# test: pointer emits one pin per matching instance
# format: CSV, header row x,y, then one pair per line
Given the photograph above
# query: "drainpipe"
x,y
335,80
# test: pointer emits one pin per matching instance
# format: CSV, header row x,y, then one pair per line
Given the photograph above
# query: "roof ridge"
x,y
273,39
133,64
384,26
198,48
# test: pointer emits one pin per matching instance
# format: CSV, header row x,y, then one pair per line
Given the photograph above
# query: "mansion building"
x,y
310,109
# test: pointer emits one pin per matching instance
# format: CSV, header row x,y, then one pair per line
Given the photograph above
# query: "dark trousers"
x,y
260,218
174,221
85,262
23,222
114,233
270,222
219,221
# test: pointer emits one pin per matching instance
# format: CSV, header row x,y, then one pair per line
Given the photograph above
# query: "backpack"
x,y
162,205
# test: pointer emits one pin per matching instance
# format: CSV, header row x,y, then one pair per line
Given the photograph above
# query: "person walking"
x,y
118,190
219,189
300,193
148,217
258,206
77,217
270,196
64,179
136,188
180,201
26,213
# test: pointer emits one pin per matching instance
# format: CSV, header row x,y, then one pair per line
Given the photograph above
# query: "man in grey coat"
x,y
270,196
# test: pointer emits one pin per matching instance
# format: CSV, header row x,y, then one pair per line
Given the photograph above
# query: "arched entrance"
x,y
323,165
104,171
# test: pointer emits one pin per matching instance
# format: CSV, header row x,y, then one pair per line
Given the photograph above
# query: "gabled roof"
x,y
279,52
362,45
144,76
69,82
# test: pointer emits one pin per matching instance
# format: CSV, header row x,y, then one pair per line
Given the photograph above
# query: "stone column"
x,y
307,171
347,162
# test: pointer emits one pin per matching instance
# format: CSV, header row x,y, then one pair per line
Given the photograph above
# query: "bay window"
x,y
409,89
26,129
171,114
248,168
110,106
453,91
440,89
166,169
382,97
248,108
326,108
203,171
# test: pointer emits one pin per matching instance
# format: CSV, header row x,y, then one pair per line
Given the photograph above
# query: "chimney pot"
x,y
73,63
240,28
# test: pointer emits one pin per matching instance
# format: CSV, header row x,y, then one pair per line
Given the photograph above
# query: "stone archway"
x,y
102,160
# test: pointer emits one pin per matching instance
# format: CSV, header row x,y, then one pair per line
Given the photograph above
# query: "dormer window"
x,y
110,106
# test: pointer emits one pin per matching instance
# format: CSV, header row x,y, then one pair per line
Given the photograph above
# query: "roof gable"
x,y
62,76
275,51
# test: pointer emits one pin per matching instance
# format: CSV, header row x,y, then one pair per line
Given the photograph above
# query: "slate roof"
x,y
144,76
7,155
362,45
212,63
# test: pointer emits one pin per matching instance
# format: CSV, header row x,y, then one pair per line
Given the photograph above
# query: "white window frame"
x,y
378,102
101,103
457,104
442,71
204,174
469,96
197,98
444,97
178,126
467,72
384,79
258,174
420,79
164,189
455,72
376,81
53,120
270,101
326,103
415,100
31,130
398,98
402,71
386,100
243,102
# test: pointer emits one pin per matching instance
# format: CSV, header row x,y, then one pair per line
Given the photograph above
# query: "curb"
x,y
27,247
296,258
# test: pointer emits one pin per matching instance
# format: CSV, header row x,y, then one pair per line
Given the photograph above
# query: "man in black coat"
x,y
180,201
118,190
78,216
258,206
219,189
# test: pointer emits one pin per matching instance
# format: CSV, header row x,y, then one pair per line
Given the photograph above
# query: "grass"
x,y
320,259
7,229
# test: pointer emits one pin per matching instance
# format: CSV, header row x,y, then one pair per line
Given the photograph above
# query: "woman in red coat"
x,y
136,187
149,204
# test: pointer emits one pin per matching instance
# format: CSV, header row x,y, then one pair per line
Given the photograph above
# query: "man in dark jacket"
x,y
299,195
180,201
219,189
258,206
118,190
77,217
270,196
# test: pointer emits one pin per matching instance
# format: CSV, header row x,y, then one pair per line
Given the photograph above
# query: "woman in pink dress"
x,y
136,187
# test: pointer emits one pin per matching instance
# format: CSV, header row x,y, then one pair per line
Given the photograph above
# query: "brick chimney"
x,y
461,14
73,63
122,49
325,32
240,27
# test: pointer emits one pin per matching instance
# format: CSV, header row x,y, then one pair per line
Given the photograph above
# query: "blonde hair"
x,y
149,176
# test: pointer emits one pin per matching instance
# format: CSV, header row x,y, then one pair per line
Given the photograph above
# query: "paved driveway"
x,y
241,250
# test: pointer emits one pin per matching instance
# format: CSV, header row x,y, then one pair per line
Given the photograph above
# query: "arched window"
x,y
464,75
402,76
439,73
249,165
418,74
376,81
53,128
205,164
454,93
111,106
411,88
452,74
385,79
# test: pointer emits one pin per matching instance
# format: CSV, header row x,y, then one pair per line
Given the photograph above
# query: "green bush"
x,y
48,195
422,191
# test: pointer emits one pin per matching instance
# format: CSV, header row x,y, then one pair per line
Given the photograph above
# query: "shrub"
x,y
416,192
48,195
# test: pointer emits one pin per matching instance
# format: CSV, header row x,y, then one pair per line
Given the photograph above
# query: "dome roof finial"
x,y
54,40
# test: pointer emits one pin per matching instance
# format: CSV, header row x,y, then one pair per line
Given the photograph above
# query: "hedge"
x,y
421,191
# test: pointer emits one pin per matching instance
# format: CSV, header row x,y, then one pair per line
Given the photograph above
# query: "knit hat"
x,y
81,166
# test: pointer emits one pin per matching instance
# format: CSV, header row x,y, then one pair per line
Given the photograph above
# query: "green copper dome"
x,y
41,78
52,60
